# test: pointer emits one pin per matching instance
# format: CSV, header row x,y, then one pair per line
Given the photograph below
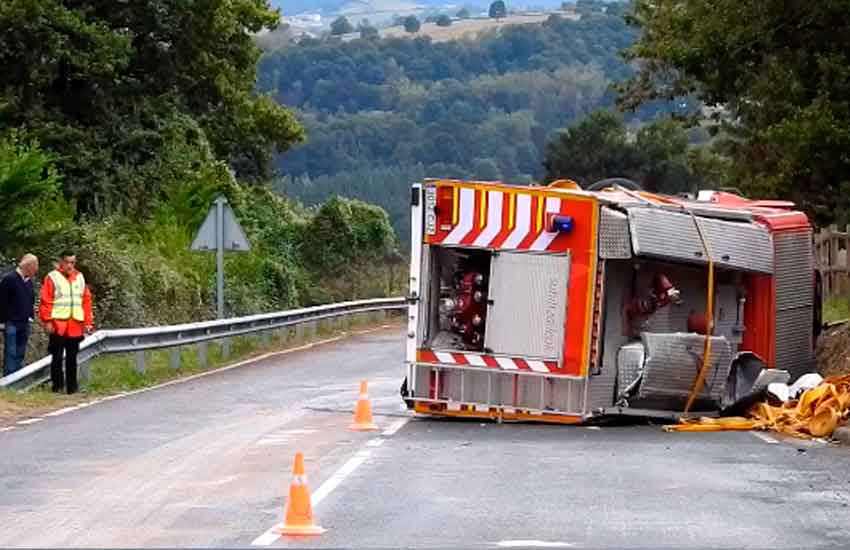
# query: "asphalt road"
x,y
206,463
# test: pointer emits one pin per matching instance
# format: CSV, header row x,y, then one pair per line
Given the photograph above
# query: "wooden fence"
x,y
831,246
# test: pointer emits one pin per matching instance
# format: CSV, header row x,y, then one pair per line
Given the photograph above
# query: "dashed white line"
x,y
766,438
333,482
395,426
532,544
29,421
7,429
62,411
377,442
273,441
319,494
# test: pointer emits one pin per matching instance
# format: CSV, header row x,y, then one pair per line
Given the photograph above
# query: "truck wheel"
x,y
610,182
403,392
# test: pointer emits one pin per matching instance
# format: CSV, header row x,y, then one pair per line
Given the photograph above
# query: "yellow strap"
x,y
706,350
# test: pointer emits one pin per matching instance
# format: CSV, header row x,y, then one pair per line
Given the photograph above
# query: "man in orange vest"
x,y
66,313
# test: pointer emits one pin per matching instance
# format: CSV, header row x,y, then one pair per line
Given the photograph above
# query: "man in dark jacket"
x,y
17,298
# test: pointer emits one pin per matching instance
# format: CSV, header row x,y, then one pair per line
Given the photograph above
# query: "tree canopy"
x,y
111,86
601,146
412,24
778,76
341,25
498,9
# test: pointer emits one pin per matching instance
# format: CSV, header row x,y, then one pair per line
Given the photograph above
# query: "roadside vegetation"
x,y
118,130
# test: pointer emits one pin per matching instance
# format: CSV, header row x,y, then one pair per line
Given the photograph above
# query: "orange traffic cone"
x,y
298,515
363,412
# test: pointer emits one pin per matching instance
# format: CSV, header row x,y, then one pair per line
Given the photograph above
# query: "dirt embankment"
x,y
833,350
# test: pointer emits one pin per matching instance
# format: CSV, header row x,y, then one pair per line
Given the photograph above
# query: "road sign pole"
x,y
219,255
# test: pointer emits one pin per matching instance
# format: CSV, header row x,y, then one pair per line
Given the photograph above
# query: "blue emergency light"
x,y
560,223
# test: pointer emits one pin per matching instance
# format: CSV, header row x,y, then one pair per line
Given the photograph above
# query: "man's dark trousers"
x,y
15,345
70,346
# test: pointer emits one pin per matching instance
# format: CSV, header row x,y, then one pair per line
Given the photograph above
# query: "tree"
x,y
97,83
595,148
411,24
341,25
780,75
30,193
463,13
369,32
600,147
444,21
498,9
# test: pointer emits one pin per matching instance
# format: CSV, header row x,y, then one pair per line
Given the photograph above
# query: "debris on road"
x,y
817,413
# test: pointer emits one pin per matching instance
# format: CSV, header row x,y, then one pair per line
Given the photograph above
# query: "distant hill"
x,y
292,7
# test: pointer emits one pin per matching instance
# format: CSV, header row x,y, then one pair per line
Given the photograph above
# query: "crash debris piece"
x,y
817,412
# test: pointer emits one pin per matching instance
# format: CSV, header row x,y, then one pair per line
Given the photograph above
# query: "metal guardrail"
x,y
173,336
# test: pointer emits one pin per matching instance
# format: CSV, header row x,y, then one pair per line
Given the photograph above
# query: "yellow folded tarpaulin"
x,y
816,413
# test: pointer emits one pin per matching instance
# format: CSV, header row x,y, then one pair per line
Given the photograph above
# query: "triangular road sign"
x,y
234,236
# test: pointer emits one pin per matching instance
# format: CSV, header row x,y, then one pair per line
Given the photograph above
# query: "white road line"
x,y
301,431
766,438
377,442
29,421
395,426
7,429
333,482
319,494
62,411
273,441
532,543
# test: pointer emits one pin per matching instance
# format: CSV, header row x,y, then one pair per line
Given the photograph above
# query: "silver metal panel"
x,y
670,235
425,296
601,390
794,341
630,360
528,310
794,299
566,395
726,314
794,270
614,239
673,361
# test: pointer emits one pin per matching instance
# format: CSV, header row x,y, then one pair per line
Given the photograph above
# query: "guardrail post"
x,y
175,358
140,361
283,336
202,354
314,329
265,338
85,372
299,333
225,348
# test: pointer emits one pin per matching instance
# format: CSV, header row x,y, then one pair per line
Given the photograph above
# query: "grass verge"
x,y
836,309
112,374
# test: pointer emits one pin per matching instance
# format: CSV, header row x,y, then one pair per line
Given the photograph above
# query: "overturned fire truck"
x,y
562,304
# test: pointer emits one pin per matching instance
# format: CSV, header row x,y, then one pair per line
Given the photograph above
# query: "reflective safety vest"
x,y
67,297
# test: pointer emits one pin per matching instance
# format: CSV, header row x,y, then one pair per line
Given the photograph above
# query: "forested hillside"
x,y
380,112
119,125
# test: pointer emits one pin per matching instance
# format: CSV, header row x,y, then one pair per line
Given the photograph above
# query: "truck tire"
x,y
610,182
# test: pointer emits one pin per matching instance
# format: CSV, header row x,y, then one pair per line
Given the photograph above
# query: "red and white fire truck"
x,y
562,304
